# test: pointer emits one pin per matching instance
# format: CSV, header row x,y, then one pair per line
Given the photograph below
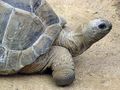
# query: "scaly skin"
x,y
69,43
19,54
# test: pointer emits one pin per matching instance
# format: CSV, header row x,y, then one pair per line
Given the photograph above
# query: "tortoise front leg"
x,y
59,60
63,66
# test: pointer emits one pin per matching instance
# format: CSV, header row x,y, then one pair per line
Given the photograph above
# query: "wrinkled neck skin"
x,y
75,41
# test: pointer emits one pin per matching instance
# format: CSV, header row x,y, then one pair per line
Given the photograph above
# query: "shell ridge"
x,y
7,27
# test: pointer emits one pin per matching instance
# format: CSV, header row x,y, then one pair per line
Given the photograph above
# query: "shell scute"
x,y
22,30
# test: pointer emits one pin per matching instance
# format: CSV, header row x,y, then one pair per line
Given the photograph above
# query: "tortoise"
x,y
33,39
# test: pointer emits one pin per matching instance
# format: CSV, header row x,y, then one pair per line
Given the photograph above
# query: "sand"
x,y
96,69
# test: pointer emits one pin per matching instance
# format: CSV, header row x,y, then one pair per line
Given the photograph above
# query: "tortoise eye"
x,y
102,26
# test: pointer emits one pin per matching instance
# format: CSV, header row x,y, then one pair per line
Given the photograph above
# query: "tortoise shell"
x,y
22,22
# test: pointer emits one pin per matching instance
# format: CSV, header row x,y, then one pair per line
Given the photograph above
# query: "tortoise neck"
x,y
74,41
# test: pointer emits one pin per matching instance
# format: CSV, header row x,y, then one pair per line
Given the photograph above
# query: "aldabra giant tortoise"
x,y
33,38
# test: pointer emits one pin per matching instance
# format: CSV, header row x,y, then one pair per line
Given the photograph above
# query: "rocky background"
x,y
96,69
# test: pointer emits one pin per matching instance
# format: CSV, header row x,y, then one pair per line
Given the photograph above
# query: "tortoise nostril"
x,y
102,26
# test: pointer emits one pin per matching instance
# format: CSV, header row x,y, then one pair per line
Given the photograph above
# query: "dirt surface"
x,y
99,67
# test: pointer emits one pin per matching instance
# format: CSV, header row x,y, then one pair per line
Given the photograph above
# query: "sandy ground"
x,y
99,67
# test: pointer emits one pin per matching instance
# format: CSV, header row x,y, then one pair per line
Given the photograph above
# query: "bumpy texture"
x,y
59,60
32,40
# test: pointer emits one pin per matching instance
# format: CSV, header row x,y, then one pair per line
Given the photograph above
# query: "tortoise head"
x,y
96,29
